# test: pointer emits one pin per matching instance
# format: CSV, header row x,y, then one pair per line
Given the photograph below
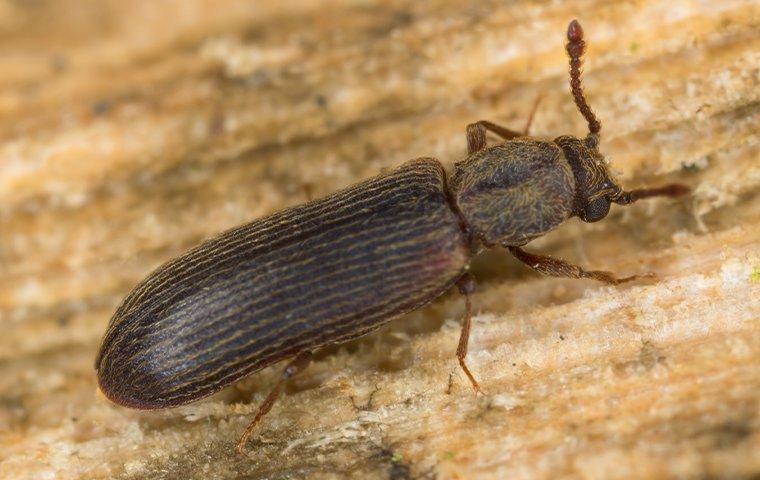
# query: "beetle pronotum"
x,y
339,267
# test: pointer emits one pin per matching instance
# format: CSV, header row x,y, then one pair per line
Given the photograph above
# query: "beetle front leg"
x,y
466,284
556,267
298,364
476,134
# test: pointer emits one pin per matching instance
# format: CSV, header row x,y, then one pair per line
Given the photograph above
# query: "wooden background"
x,y
130,131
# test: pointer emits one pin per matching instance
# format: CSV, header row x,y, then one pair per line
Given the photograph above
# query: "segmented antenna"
x,y
575,48
672,190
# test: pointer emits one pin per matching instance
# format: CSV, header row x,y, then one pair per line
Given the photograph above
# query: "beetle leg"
x,y
466,284
533,109
476,137
299,363
556,267
476,134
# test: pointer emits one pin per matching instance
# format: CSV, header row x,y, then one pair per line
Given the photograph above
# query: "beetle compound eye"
x,y
596,210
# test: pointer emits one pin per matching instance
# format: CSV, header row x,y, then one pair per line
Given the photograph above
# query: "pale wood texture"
x,y
129,131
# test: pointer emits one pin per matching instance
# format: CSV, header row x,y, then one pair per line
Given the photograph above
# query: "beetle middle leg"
x,y
299,363
466,284
555,267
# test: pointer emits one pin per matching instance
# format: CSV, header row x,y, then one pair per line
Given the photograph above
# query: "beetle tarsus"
x,y
610,279
298,364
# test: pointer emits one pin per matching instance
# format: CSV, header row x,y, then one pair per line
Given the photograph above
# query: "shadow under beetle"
x,y
341,266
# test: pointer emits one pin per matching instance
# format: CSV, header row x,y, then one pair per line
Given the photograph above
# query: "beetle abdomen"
x,y
312,275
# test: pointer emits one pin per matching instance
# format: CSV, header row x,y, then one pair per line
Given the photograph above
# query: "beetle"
x,y
339,267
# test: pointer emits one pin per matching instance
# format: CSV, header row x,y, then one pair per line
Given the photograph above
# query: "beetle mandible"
x,y
339,267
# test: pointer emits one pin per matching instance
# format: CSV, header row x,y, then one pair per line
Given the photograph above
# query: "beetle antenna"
x,y
671,190
575,48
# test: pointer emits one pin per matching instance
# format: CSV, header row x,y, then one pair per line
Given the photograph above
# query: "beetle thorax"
x,y
513,192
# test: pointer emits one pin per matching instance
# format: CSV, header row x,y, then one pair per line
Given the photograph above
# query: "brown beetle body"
x,y
316,274
337,268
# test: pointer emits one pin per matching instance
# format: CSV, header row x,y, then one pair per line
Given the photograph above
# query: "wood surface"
x,y
131,131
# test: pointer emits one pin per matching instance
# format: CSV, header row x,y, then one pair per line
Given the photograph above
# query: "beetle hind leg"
x,y
466,286
298,364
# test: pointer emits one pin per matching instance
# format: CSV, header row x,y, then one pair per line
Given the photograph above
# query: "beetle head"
x,y
594,189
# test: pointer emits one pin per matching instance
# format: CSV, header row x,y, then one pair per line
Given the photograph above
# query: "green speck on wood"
x,y
754,276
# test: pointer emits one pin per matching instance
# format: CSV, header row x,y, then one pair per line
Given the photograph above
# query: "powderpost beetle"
x,y
339,267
